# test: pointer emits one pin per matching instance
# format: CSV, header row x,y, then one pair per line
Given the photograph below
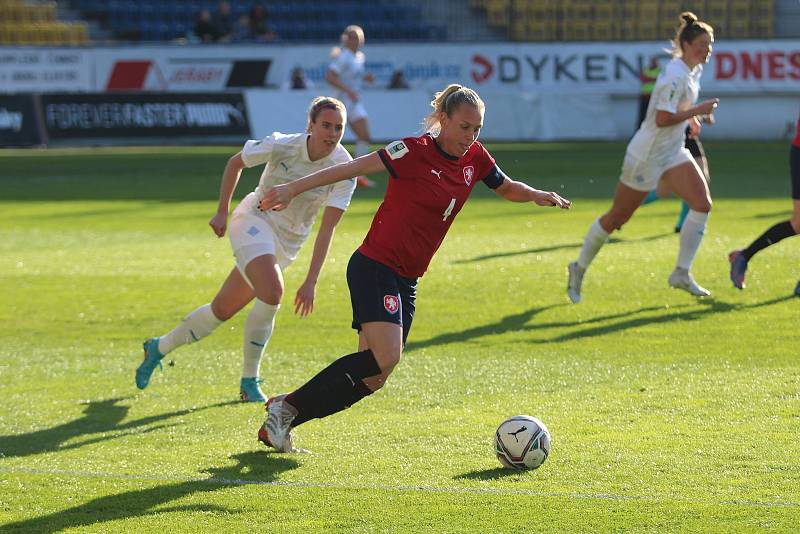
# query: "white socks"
x,y
257,331
362,148
202,321
194,327
592,243
691,235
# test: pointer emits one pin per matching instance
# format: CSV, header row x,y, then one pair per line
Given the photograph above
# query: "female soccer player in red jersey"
x,y
788,228
431,179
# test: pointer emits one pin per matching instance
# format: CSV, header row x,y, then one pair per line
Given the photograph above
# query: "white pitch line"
x,y
216,481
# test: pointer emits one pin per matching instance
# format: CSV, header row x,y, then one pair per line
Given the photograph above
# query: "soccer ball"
x,y
522,442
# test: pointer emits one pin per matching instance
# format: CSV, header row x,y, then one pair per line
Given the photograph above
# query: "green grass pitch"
x,y
668,413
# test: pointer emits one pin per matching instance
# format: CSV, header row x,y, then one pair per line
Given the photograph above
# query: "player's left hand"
x,y
709,119
219,223
694,128
549,198
304,300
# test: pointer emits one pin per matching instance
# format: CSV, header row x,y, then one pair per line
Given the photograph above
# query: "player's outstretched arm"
x,y
279,196
230,177
520,192
304,300
665,118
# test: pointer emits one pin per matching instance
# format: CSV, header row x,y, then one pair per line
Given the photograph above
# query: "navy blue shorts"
x,y
794,170
377,293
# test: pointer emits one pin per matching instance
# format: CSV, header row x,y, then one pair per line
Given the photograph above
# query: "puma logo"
x,y
437,173
523,429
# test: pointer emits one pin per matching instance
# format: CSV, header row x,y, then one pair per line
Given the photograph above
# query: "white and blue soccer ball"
x,y
522,442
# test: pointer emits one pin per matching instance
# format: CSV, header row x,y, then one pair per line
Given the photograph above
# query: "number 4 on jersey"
x,y
449,209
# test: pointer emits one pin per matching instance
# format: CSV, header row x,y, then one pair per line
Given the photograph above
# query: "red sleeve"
x,y
398,157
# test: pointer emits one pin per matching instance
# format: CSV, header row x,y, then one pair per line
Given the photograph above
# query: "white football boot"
x,y
681,279
277,428
576,273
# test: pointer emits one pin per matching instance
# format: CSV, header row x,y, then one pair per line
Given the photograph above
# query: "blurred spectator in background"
x,y
260,29
203,29
648,78
223,25
297,80
241,33
398,81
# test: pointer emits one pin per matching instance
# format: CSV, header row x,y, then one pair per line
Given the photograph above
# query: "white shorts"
x,y
251,236
644,175
355,111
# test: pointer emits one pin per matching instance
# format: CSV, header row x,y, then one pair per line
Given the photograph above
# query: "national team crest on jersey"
x,y
469,172
391,303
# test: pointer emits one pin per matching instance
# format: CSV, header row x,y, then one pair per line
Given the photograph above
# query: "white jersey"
x,y
286,158
349,67
676,89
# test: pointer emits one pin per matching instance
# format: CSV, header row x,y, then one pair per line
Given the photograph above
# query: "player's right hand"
x,y
707,106
277,198
219,223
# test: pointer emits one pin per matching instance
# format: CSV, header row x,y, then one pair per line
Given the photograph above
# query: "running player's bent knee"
x,y
271,293
386,360
704,206
222,310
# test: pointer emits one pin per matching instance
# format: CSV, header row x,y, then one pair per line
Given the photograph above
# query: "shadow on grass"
x,y
251,468
630,319
100,417
553,248
780,215
488,474
510,323
710,306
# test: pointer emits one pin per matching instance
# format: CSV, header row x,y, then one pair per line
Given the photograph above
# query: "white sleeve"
x,y
258,152
338,63
670,92
341,192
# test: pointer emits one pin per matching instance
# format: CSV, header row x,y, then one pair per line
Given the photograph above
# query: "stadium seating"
x,y
36,22
583,20
295,20
29,23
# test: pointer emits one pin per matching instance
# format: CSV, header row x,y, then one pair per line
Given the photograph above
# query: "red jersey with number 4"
x,y
427,188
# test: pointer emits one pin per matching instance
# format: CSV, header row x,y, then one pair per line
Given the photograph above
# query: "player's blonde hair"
x,y
325,102
447,102
690,28
353,29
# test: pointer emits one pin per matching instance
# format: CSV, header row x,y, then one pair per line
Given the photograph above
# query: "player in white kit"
x,y
266,243
346,73
657,152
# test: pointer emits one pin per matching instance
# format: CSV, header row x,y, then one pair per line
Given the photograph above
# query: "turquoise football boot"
x,y
152,359
249,390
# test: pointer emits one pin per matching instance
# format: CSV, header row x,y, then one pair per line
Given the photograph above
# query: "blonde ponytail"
x,y
447,102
